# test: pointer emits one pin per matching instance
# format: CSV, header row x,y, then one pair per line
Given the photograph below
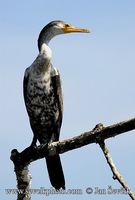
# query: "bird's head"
x,y
56,28
60,27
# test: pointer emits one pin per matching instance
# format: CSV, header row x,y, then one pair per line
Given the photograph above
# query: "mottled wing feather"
x,y
56,81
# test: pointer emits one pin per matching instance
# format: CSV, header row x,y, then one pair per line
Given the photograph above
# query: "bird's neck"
x,y
44,39
44,50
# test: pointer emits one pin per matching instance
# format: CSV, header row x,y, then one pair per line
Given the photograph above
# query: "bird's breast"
x,y
41,103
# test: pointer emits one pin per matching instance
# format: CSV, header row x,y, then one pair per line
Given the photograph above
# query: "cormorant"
x,y
43,97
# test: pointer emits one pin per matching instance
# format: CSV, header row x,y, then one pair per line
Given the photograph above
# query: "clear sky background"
x,y
98,78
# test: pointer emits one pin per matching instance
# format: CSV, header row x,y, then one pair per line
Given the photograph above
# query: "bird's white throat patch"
x,y
46,51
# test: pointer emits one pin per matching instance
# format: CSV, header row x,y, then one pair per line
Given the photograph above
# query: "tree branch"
x,y
116,174
97,135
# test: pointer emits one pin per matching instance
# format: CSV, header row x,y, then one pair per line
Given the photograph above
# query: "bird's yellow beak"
x,y
74,29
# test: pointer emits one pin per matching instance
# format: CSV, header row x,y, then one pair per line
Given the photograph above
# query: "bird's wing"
x,y
25,84
56,82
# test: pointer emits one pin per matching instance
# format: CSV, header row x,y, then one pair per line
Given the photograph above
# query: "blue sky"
x,y
98,75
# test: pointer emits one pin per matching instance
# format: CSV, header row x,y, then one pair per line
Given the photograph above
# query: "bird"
x,y
43,97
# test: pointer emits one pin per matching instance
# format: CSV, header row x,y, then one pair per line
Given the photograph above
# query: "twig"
x,y
116,174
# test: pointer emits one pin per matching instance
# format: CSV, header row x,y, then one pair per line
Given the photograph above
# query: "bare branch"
x,y
97,135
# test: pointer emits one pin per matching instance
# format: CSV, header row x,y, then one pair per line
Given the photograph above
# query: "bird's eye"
x,y
66,25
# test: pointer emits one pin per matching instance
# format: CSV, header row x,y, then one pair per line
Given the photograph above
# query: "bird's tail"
x,y
55,171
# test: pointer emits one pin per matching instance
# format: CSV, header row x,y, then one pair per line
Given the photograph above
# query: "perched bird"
x,y
43,97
